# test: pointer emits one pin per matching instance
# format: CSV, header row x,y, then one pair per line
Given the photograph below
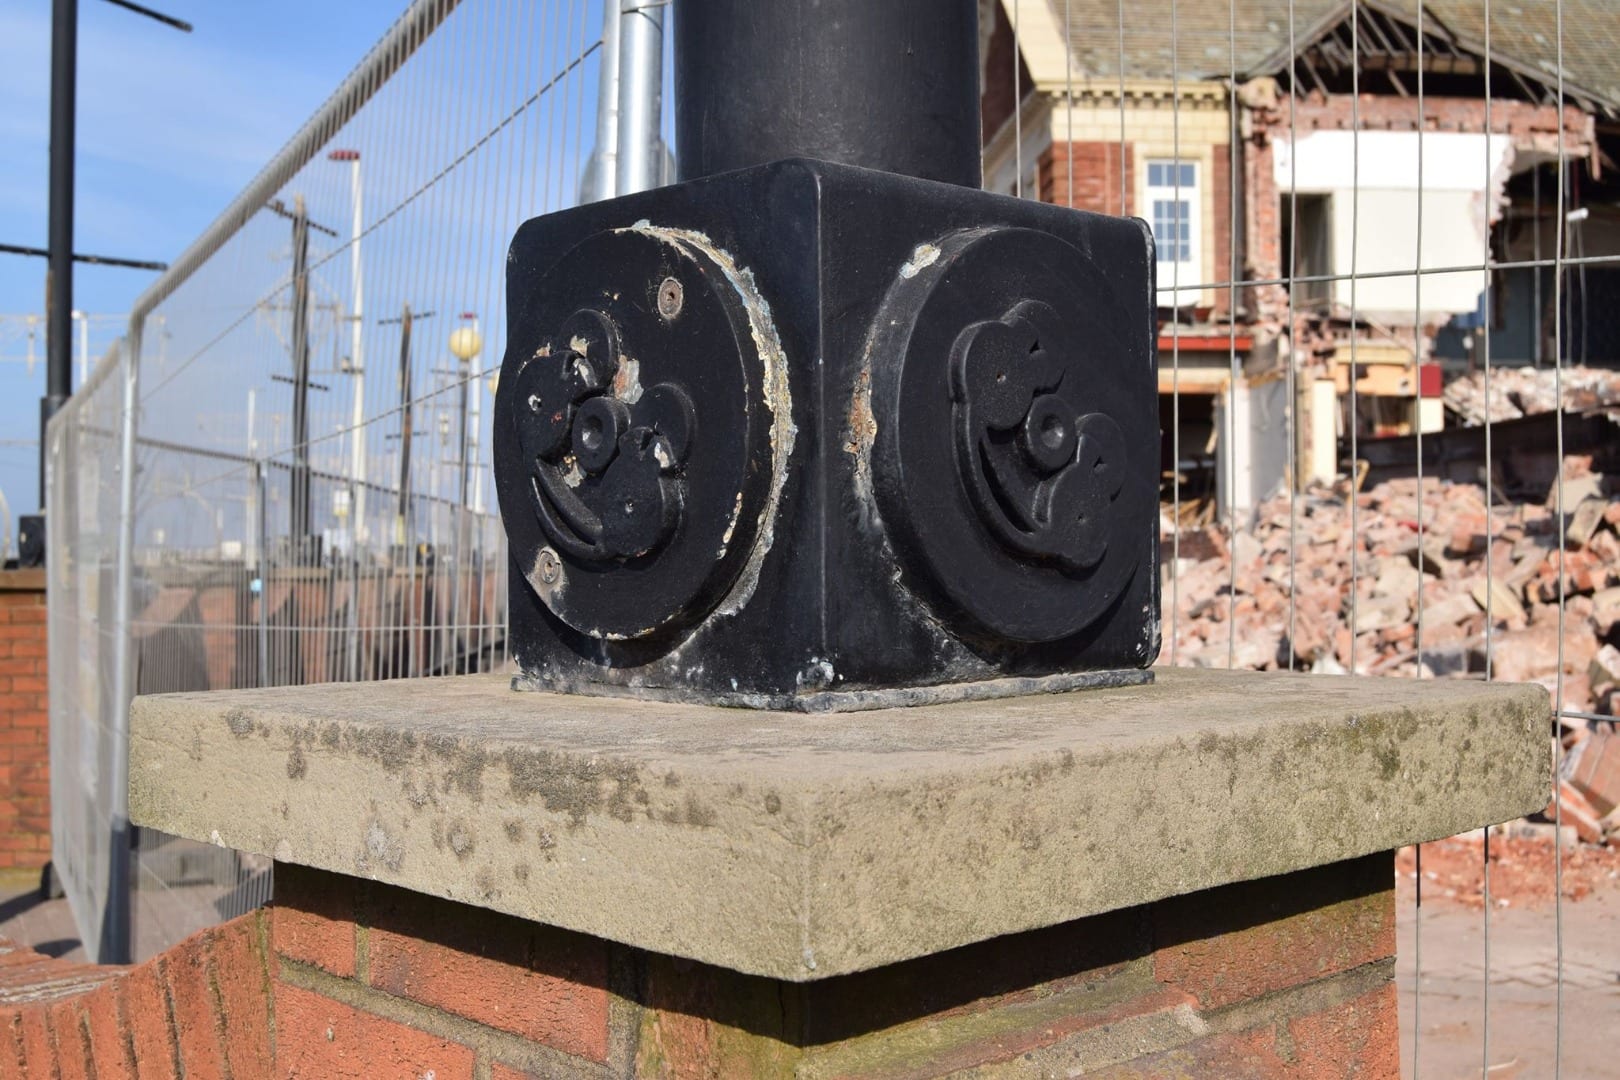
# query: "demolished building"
x,y
1297,162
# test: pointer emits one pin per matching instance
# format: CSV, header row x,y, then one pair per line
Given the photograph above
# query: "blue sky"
x,y
171,126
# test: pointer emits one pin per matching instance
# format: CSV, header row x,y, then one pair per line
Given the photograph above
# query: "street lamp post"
x,y
465,344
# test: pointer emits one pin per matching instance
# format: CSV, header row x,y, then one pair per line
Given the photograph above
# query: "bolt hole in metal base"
x,y
670,298
840,701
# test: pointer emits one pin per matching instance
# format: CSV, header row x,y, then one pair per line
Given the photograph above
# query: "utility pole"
x,y
405,419
402,515
59,275
59,272
300,356
300,538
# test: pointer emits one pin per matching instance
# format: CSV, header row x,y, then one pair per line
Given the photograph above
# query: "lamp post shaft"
x,y
891,86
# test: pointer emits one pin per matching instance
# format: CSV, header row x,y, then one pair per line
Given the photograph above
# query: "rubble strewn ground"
x,y
1428,576
1525,391
1522,871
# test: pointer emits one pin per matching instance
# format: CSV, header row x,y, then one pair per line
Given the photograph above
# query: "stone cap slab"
x,y
804,846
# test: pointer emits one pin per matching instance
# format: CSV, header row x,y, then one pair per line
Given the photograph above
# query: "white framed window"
x,y
1173,206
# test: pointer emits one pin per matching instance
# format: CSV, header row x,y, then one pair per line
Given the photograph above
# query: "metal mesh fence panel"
x,y
82,461
311,498
1386,405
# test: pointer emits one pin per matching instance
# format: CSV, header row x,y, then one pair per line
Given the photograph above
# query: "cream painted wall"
x,y
1459,173
1002,161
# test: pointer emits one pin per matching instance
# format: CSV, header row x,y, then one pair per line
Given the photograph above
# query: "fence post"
x,y
114,945
355,487
601,174
264,576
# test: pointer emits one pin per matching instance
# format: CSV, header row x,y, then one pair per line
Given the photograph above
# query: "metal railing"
x,y
282,475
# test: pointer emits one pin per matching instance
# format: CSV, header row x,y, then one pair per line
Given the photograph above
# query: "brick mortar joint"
x,y
264,948
1300,999
171,1027
89,1040
216,1001
126,1024
627,990
488,1044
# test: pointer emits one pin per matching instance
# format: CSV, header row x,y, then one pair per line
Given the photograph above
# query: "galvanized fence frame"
x,y
427,593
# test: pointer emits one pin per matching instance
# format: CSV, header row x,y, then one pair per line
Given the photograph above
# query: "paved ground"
x,y
161,918
1522,995
1523,990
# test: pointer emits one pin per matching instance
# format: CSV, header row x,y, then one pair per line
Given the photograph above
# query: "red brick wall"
x,y
1095,166
200,1011
406,983
1387,112
1282,977
1263,218
25,769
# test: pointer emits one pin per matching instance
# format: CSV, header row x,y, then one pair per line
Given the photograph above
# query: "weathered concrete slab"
x,y
803,846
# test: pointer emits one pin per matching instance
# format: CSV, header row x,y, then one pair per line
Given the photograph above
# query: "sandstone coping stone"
x,y
805,846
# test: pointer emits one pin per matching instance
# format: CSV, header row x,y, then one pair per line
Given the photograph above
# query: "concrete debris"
x,y
1518,391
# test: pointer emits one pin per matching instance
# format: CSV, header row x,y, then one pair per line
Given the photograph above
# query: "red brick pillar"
x,y
489,885
1288,976
25,763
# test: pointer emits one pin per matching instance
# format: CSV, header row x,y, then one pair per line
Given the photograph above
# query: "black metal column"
x,y
59,277
883,84
826,425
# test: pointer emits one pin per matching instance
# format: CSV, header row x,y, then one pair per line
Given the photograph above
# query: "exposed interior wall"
x,y
1256,465
1378,215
